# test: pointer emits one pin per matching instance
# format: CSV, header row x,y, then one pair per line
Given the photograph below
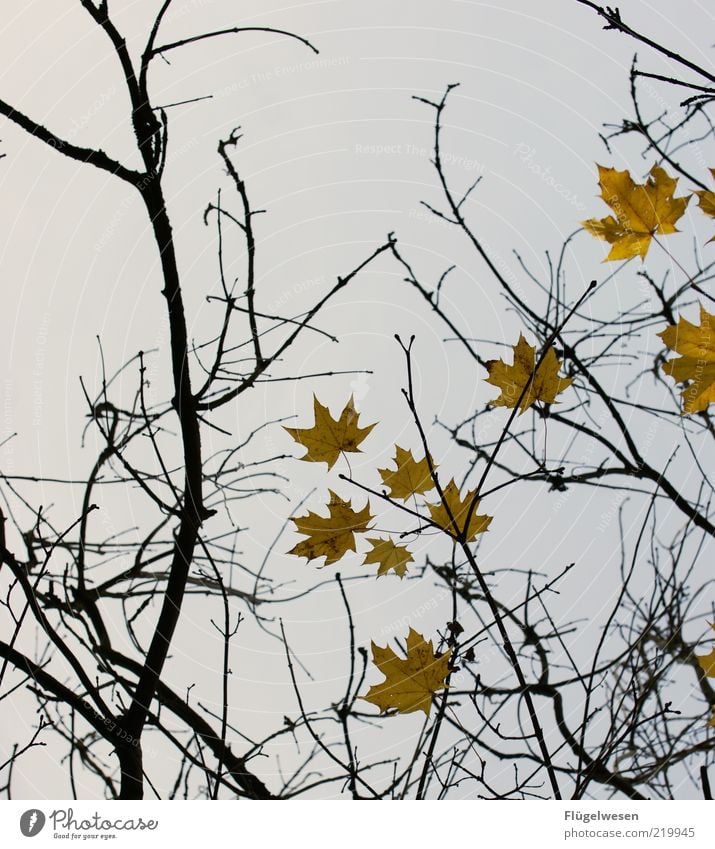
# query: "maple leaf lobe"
x,y
696,364
707,663
706,202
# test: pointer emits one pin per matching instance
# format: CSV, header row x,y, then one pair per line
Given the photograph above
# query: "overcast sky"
x,y
336,149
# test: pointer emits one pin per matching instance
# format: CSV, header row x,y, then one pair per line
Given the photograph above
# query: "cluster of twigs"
x,y
532,716
98,677
628,717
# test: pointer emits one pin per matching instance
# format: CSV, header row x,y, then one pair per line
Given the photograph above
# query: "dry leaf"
x,y
642,211
696,365
453,519
329,437
389,556
332,536
706,202
411,477
544,386
707,664
411,682
707,661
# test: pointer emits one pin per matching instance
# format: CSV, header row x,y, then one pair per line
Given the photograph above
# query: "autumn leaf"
x,y
332,536
642,211
544,386
707,664
457,513
389,556
329,437
706,202
696,365
707,661
411,477
411,682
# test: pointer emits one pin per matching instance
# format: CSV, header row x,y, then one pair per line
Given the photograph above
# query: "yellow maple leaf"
x,y
329,437
544,386
706,202
707,661
410,682
389,555
696,365
707,664
331,536
411,477
453,516
642,211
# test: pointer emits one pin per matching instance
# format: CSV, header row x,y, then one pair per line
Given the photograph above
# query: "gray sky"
x,y
337,152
